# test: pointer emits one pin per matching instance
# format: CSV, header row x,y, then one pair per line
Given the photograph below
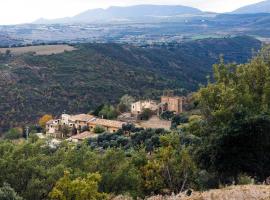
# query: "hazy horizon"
x,y
26,11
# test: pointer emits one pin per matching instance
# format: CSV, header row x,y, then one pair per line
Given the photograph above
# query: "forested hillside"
x,y
80,80
222,140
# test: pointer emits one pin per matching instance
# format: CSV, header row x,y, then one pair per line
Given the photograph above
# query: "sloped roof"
x,y
81,117
106,123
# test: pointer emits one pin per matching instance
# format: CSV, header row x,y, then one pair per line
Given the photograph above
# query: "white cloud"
x,y
21,11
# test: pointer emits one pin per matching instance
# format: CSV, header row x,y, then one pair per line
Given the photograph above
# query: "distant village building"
x,y
80,121
52,126
77,121
110,126
138,107
172,103
82,136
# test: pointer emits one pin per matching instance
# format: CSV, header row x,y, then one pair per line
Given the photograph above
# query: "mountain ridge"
x,y
261,7
129,13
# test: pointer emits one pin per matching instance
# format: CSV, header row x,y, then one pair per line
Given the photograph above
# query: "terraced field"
x,y
39,50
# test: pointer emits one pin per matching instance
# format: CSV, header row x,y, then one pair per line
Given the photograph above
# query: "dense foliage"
x,y
38,170
226,141
79,81
236,120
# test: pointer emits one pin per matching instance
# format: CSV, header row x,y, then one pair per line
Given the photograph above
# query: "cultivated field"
x,y
39,50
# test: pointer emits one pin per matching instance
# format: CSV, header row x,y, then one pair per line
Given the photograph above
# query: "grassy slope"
x,y
78,81
246,192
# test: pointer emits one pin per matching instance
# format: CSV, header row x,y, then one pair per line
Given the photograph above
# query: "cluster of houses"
x,y
79,122
89,122
168,103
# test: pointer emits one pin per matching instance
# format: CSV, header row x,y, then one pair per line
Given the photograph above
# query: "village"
x,y
84,126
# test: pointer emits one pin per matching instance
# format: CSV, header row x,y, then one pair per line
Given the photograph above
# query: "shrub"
x,y
244,179
146,114
99,129
13,134
8,193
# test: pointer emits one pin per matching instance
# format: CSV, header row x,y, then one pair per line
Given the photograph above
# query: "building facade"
x,y
138,107
82,120
172,103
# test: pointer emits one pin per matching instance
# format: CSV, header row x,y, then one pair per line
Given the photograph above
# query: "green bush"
x,y
244,179
13,134
8,193
99,129
146,114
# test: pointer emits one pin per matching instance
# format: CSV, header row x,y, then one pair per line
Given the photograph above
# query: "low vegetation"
x,y
225,143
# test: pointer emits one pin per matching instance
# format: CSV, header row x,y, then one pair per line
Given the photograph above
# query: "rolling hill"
x,y
78,81
261,7
125,14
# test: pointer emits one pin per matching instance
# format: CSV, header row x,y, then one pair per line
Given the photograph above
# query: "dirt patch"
x,y
154,122
247,192
39,50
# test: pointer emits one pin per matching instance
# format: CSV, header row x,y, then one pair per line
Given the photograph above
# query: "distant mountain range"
x,y
126,14
149,13
261,7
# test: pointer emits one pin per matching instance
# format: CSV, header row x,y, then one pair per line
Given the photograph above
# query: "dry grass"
x,y
39,50
246,192
155,122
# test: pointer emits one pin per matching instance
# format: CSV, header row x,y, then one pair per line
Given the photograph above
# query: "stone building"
x,y
138,107
80,121
172,103
110,126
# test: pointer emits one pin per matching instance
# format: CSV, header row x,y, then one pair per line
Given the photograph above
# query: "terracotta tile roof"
x,y
106,123
81,117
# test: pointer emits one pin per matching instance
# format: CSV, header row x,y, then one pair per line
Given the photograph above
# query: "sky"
x,y
24,11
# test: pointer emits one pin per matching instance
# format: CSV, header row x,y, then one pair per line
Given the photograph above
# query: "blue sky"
x,y
22,11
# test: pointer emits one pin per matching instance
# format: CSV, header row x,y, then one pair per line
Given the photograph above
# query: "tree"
x,y
235,120
167,115
8,193
179,119
44,119
13,134
99,129
74,131
85,128
146,114
65,130
8,53
77,189
177,165
119,174
125,103
108,112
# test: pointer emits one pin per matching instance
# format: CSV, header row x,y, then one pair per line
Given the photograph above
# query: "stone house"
x,y
77,121
110,126
138,107
82,120
52,126
172,103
